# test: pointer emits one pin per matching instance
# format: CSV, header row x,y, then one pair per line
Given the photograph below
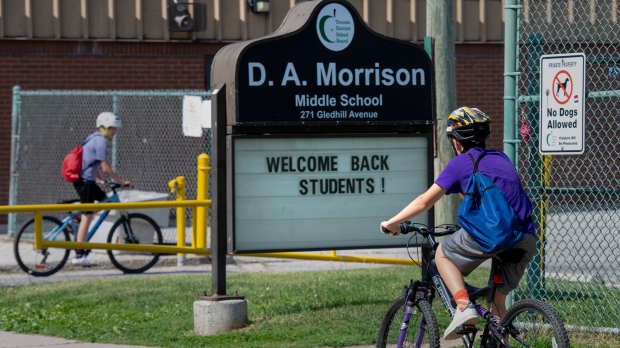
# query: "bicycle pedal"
x,y
466,329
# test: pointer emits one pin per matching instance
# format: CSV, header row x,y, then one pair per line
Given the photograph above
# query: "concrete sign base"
x,y
215,317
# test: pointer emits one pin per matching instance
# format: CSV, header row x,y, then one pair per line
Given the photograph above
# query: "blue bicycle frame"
x,y
70,219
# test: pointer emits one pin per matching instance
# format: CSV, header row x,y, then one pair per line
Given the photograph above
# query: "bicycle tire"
x,y
45,262
538,325
392,320
146,231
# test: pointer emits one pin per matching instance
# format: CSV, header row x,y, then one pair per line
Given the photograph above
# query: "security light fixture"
x,y
259,6
180,18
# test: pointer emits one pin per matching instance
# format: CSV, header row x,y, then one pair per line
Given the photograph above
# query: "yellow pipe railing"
x,y
202,193
199,225
178,185
38,210
333,257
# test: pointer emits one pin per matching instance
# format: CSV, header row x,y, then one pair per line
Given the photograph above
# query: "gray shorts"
x,y
461,249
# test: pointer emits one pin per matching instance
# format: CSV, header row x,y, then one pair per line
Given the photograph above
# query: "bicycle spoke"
x,y
533,323
138,229
40,262
420,332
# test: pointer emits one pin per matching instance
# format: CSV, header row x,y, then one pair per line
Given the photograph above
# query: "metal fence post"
x,y
115,111
536,268
16,108
510,88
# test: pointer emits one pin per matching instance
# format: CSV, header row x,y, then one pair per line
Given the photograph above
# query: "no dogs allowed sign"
x,y
562,104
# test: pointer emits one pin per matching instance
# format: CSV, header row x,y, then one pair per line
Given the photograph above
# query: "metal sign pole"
x,y
218,192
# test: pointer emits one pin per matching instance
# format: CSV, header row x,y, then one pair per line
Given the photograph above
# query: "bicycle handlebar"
x,y
113,185
408,227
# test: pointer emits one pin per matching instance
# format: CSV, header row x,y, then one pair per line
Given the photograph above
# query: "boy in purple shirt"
x,y
459,255
95,156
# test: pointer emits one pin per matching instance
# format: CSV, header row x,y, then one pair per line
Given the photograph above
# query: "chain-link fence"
x,y
150,148
576,197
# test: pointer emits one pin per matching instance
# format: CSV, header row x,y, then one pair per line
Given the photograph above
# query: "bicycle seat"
x,y
476,293
68,201
512,255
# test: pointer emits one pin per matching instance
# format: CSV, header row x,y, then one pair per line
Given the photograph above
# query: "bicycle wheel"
x,y
139,229
533,323
45,262
421,332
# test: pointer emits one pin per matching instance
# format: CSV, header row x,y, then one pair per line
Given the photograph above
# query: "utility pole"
x,y
440,27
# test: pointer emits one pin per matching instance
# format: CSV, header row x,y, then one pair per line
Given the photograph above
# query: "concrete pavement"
x,y
14,340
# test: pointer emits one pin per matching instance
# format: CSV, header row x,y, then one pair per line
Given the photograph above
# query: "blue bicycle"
x,y
130,228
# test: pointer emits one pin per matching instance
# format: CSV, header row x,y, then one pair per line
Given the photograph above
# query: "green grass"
x,y
306,309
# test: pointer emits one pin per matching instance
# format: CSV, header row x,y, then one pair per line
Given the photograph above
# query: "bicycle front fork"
x,y
411,296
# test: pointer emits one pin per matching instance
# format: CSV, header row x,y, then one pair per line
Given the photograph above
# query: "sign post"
x,y
562,104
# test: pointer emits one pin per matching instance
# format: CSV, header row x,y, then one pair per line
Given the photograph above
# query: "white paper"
x,y
206,114
192,106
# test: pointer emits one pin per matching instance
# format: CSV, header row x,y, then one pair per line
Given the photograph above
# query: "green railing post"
x,y
536,268
510,77
511,32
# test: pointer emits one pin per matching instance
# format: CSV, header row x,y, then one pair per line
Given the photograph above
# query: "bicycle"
x,y
130,228
410,322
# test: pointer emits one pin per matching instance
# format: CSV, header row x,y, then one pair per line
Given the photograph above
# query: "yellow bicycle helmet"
x,y
468,125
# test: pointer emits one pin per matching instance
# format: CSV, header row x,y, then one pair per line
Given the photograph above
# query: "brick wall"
x,y
96,65
480,84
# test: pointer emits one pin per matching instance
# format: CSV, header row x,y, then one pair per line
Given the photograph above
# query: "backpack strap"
x,y
476,162
93,163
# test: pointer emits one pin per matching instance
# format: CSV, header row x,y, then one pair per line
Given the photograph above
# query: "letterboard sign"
x,y
325,65
322,192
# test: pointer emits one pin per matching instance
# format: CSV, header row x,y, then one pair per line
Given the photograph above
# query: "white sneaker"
x,y
83,261
467,316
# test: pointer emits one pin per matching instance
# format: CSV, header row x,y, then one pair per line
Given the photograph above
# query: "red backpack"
x,y
72,164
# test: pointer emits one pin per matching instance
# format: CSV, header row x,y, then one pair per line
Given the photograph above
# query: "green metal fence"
x,y
150,148
576,197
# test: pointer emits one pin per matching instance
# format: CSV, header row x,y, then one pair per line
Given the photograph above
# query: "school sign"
x,y
328,131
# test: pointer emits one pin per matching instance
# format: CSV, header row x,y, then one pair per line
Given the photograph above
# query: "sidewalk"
x,y
13,340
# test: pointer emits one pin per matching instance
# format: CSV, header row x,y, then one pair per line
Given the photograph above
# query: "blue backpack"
x,y
486,214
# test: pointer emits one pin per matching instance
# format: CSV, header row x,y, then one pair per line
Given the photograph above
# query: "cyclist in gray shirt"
x,y
95,157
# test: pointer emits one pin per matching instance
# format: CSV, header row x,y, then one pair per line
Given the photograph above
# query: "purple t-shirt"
x,y
94,150
497,167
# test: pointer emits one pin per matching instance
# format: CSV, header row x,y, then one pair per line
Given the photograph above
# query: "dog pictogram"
x,y
561,87
563,90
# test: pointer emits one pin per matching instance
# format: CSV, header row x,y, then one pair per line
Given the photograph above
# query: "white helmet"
x,y
108,119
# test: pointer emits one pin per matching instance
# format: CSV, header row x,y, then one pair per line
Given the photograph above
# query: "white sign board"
x,y
205,117
323,193
192,116
562,104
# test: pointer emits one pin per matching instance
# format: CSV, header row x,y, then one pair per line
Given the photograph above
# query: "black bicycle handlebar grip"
x,y
406,227
385,230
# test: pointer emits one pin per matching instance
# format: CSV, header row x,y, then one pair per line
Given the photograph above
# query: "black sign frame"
x,y
306,86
